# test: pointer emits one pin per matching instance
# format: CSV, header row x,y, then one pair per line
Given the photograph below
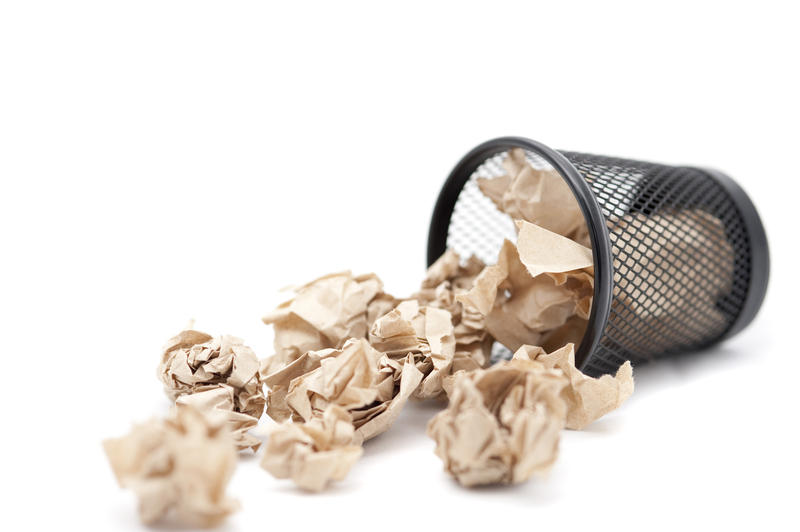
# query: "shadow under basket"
x,y
680,255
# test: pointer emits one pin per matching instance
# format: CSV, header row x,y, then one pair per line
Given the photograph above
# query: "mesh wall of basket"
x,y
680,255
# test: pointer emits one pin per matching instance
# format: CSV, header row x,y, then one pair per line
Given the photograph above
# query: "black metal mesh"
x,y
680,249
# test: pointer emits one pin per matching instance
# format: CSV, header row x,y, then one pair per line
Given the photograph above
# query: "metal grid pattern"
x,y
681,258
680,250
477,227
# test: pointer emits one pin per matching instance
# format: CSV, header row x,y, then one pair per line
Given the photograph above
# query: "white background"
x,y
162,161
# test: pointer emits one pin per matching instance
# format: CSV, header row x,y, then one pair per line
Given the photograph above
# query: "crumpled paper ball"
x,y
313,453
194,361
181,464
502,424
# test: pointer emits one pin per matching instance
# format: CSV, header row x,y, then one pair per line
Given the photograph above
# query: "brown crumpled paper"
x,y
502,423
344,379
366,383
194,361
315,452
535,288
587,398
425,336
395,382
538,196
182,463
219,375
278,382
322,391
446,278
220,401
324,314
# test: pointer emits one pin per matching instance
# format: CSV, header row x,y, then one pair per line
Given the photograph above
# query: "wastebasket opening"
x,y
680,256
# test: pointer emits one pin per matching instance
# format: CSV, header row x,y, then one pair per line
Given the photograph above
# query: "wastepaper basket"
x,y
680,255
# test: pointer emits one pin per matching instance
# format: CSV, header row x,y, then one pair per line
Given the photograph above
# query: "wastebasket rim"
x,y
759,251
595,221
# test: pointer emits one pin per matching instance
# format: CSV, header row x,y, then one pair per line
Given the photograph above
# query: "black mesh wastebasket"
x,y
680,254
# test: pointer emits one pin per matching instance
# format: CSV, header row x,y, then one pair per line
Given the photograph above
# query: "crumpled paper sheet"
x,y
313,453
444,279
396,381
538,196
535,288
331,401
502,423
220,401
344,379
449,269
370,386
324,314
180,464
587,398
326,303
194,361
278,382
425,336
